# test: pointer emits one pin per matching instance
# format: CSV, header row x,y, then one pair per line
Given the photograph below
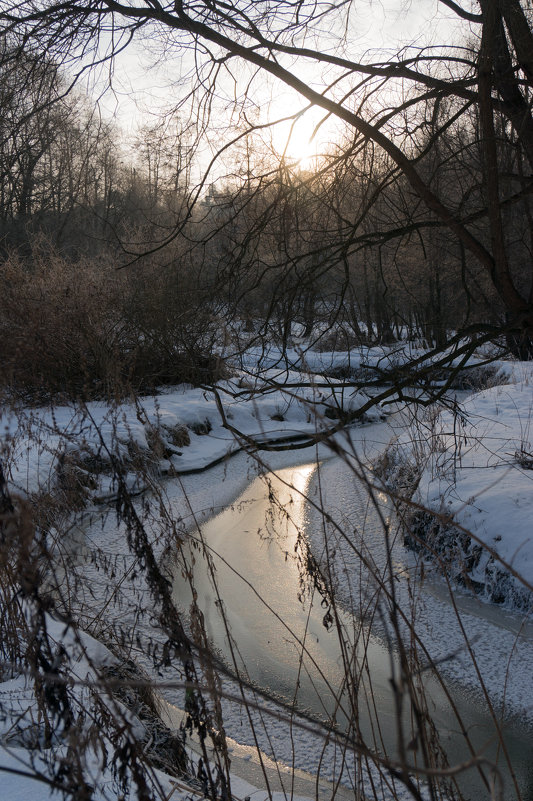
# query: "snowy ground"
x,y
477,469
486,487
185,429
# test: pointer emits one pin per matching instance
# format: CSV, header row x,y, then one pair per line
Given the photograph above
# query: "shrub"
x,y
86,331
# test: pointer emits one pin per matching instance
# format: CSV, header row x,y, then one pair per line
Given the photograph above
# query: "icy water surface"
x,y
272,630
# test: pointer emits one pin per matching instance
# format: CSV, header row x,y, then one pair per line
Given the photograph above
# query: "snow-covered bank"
x,y
268,361
474,501
177,432
274,397
38,740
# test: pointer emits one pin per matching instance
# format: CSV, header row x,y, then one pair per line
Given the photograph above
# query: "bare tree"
x,y
492,76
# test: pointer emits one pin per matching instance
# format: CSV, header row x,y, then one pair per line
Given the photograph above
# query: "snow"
x,y
34,438
478,471
377,358
478,474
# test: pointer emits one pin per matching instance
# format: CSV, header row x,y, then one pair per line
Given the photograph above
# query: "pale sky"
x,y
141,90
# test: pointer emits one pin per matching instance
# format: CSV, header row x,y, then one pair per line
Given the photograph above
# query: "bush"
x,y
87,331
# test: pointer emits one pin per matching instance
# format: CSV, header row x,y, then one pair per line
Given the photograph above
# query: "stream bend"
x,y
248,585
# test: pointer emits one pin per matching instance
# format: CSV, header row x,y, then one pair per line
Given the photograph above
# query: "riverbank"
x,y
275,398
463,482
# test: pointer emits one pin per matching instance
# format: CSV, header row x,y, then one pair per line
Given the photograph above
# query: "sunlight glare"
x,y
294,141
299,479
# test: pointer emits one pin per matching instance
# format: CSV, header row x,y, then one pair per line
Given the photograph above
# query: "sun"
x,y
295,141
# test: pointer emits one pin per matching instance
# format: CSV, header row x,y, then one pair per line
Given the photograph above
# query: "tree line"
x,y
416,222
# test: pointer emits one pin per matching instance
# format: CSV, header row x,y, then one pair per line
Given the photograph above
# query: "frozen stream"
x,y
279,640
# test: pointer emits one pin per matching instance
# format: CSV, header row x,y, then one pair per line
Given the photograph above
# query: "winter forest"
x,y
266,382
